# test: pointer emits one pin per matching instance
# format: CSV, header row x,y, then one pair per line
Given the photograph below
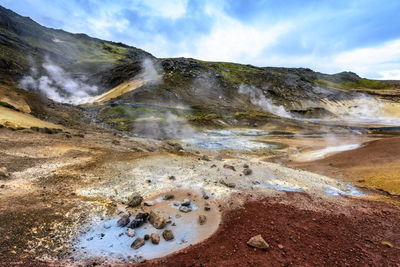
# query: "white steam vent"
x,y
258,98
58,85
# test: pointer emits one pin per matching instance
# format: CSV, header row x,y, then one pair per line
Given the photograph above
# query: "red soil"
x,y
345,236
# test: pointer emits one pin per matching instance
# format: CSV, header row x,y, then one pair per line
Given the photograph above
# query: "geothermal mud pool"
x,y
103,238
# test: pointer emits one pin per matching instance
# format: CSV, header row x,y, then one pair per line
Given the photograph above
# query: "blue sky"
x,y
326,36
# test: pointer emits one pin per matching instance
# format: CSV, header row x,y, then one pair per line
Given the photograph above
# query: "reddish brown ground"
x,y
333,236
375,165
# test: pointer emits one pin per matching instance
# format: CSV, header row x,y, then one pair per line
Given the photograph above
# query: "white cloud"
x,y
381,62
172,9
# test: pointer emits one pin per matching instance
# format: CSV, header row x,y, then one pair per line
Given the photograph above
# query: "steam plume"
x,y
58,85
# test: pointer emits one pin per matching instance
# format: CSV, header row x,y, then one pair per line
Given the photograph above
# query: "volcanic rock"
x,y
230,167
139,242
123,221
168,197
157,220
155,238
186,202
135,200
185,209
258,242
202,219
148,203
230,185
168,235
130,232
247,171
3,172
139,220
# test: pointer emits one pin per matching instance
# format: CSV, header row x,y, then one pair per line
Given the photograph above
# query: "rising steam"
x,y
258,98
58,85
164,126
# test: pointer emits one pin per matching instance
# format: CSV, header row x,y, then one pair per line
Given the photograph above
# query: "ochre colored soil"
x,y
375,165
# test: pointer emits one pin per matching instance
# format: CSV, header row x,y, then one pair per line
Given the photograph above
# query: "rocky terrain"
x,y
111,156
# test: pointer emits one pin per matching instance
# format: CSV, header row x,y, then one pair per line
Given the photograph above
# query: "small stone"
x,y
168,197
202,219
387,244
258,242
4,172
155,238
168,235
245,166
186,202
172,177
146,237
107,225
178,216
139,242
148,203
280,246
247,171
123,221
135,200
176,204
230,167
130,232
157,220
185,209
230,185
205,195
205,157
207,208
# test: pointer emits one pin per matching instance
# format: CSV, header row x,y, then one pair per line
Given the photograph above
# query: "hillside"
x,y
211,93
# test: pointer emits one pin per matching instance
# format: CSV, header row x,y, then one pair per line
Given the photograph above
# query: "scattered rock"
x,y
123,221
387,244
155,238
258,242
146,237
205,195
202,219
186,202
168,197
185,209
247,171
4,172
230,185
135,200
140,219
130,232
157,220
230,167
168,235
139,242
205,157
148,203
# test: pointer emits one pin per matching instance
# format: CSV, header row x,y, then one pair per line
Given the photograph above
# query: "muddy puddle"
x,y
232,139
104,239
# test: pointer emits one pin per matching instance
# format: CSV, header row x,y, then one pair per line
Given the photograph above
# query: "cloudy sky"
x,y
328,36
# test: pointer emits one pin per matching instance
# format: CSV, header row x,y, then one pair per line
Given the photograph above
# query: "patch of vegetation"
x,y
359,84
5,104
200,116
